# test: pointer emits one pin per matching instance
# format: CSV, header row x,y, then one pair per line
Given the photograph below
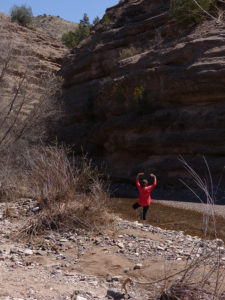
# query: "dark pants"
x,y
145,209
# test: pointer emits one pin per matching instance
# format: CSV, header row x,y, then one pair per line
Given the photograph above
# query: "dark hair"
x,y
144,183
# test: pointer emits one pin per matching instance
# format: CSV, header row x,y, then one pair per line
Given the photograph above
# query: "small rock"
x,y
36,209
28,252
108,278
40,252
14,251
116,295
219,242
116,278
221,249
120,245
160,248
137,266
131,296
80,298
63,240
54,272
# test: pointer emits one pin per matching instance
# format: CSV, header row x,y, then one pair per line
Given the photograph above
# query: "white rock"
x,y
160,248
120,245
137,266
221,250
28,252
80,298
63,240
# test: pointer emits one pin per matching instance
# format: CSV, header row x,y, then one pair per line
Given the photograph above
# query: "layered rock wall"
x,y
143,91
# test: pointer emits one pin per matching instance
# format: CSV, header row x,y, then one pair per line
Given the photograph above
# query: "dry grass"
x,y
25,108
187,292
52,25
129,52
210,284
68,195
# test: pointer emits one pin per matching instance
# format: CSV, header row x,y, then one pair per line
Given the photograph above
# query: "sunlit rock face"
x,y
30,54
142,91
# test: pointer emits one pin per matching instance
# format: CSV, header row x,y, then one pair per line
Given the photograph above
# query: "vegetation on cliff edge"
x,y
22,15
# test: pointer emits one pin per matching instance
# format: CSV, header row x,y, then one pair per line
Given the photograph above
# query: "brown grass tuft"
x,y
68,195
185,292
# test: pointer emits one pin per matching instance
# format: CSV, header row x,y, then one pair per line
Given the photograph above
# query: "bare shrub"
x,y
185,292
69,195
206,268
28,109
23,119
28,96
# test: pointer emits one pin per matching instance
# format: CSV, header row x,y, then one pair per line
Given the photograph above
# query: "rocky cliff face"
x,y
28,58
143,91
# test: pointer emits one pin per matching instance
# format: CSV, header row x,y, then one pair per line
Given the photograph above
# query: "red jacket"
x,y
144,193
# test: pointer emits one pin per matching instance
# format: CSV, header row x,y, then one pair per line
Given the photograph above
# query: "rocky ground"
x,y
80,265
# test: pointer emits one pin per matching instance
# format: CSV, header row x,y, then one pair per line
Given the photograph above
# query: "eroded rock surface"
x,y
143,91
29,54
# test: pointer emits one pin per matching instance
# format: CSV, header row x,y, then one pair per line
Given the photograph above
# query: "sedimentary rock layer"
x,y
143,91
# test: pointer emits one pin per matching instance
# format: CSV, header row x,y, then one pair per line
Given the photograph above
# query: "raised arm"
x,y
137,179
151,187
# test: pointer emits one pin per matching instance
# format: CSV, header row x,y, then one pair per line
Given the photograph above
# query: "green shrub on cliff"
x,y
188,12
141,98
69,39
73,38
145,103
105,19
22,15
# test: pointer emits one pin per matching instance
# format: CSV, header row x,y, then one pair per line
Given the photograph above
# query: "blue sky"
x,y
71,10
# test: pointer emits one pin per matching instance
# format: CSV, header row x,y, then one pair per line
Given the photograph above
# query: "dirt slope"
x,y
52,25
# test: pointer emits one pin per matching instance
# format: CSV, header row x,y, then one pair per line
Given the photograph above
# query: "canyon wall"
x,y
143,91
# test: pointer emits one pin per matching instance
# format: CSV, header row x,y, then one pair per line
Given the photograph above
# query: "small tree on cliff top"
x,y
22,15
73,38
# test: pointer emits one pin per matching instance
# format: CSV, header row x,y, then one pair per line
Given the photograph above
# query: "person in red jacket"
x,y
144,193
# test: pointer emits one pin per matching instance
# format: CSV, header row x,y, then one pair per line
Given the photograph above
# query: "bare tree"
x,y
23,110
